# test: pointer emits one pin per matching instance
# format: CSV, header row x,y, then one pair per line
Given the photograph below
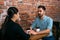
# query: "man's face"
x,y
41,12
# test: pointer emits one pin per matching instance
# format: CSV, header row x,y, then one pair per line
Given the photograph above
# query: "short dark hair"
x,y
41,6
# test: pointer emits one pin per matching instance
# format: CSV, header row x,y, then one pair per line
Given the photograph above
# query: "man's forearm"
x,y
44,32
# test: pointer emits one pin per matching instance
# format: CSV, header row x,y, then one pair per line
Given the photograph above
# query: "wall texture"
x,y
28,8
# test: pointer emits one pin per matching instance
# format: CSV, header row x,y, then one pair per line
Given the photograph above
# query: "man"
x,y
44,23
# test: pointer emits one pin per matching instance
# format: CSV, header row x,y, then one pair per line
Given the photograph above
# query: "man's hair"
x,y
41,6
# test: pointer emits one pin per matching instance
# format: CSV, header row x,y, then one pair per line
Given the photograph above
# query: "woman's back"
x,y
14,32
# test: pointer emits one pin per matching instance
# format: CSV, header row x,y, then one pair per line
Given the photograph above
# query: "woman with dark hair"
x,y
12,30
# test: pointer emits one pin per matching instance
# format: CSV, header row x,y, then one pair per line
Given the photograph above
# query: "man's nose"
x,y
39,12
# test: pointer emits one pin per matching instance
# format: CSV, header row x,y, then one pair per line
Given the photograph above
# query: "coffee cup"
x,y
37,30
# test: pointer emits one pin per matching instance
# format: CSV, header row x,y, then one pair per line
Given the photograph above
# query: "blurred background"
x,y
28,9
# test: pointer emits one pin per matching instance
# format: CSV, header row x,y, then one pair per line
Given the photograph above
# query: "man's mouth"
x,y
40,15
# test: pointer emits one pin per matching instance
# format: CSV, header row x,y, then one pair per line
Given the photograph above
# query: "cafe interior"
x,y
27,11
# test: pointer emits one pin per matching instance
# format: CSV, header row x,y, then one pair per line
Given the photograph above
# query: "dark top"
x,y
14,32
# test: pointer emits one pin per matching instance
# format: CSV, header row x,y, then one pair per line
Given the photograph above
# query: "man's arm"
x,y
47,31
49,27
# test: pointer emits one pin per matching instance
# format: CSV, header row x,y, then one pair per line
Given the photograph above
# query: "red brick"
x,y
30,7
1,2
1,11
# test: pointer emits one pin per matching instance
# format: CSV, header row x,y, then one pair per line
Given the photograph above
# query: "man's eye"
x,y
40,11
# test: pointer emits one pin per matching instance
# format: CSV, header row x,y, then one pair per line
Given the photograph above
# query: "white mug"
x,y
37,30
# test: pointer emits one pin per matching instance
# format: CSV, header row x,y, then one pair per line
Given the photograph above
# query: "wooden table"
x,y
37,37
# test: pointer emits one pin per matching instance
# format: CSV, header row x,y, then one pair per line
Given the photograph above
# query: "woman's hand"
x,y
33,32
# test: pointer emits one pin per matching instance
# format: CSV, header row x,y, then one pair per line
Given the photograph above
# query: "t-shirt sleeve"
x,y
50,24
22,33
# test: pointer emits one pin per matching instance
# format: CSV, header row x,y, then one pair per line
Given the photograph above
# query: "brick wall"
x,y
28,8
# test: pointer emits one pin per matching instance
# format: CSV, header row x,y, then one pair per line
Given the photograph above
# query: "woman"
x,y
12,30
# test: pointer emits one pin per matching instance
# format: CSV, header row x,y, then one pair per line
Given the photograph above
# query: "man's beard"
x,y
39,15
